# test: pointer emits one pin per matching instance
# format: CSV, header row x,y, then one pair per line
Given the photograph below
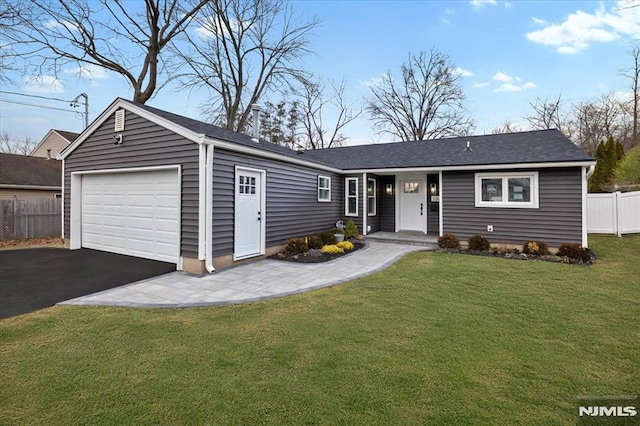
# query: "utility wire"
x,y
34,96
39,106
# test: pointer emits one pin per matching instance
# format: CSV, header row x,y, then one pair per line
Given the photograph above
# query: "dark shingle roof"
x,y
540,146
225,135
70,136
27,170
543,146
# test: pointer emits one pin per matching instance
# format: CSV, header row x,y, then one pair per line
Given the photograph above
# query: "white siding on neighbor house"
x,y
55,142
616,213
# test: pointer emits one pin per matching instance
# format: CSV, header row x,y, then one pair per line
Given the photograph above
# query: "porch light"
x,y
389,189
433,188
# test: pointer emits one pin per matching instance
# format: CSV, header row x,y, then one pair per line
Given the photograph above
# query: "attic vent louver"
x,y
468,147
119,127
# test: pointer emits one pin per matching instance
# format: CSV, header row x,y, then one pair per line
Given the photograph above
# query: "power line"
x,y
40,106
34,96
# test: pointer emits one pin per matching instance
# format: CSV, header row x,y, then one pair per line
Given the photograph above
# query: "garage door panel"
x,y
133,213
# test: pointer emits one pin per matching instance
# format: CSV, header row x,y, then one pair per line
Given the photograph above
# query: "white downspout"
x,y
208,262
202,199
440,207
586,174
365,204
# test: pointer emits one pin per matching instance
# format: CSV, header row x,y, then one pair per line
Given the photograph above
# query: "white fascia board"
x,y
474,167
231,146
41,187
122,104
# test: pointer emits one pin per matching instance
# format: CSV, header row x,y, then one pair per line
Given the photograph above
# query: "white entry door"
x,y
412,205
249,214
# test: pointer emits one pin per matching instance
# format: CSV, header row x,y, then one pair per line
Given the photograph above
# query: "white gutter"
x,y
472,167
208,262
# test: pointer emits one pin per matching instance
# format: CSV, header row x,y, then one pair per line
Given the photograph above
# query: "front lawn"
x,y
435,339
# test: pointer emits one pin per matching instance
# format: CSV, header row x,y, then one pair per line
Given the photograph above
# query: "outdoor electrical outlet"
x,y
489,228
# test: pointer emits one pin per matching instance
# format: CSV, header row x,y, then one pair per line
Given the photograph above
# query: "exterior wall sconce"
x,y
433,189
389,189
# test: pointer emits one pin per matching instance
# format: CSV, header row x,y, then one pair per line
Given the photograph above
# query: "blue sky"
x,y
509,53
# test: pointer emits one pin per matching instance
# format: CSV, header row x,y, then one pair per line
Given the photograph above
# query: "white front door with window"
x,y
249,213
412,204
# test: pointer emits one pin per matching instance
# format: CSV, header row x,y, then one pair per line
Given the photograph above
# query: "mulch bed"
x,y
517,255
31,243
315,256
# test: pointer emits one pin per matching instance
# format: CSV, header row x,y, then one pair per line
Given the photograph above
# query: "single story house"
x,y
23,176
149,183
53,143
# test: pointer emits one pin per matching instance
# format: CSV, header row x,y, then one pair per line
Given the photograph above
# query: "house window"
x,y
371,196
411,187
512,190
324,188
351,199
246,185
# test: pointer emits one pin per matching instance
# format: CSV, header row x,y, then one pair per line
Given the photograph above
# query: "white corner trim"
x,y
365,204
62,202
208,229
202,191
585,242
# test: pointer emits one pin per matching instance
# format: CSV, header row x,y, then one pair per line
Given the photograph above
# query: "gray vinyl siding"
x,y
145,144
293,209
386,204
557,220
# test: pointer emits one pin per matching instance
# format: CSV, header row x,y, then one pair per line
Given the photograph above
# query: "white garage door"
x,y
133,213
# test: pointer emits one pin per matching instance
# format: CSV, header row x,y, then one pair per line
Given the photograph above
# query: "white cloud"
x,y
463,72
580,29
51,24
480,85
483,3
508,4
508,87
502,77
43,84
373,81
90,72
529,85
208,27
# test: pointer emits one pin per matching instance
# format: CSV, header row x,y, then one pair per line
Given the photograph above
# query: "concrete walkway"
x,y
260,280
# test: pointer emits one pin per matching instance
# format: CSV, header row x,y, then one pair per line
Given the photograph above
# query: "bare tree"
x,y
11,145
550,114
112,35
427,102
506,127
314,103
633,74
597,121
242,50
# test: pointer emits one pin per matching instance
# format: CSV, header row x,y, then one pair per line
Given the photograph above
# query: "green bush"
x,y
449,241
345,245
337,231
296,246
574,251
314,242
332,249
351,230
539,248
327,238
479,243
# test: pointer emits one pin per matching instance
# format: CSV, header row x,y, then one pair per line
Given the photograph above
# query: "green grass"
x,y
435,339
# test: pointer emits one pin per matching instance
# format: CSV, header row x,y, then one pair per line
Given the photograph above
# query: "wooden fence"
x,y
30,218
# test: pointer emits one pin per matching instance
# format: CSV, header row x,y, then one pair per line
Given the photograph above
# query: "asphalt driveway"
x,y
32,279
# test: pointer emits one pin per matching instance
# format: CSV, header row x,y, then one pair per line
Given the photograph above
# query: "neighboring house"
x,y
148,183
23,176
53,143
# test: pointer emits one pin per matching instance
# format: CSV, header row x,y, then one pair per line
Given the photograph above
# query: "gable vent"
x,y
119,127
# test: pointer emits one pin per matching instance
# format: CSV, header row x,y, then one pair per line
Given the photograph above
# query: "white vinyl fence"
x,y
617,213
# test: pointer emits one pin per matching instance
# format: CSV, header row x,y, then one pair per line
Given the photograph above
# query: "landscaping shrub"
x,y
327,238
351,230
296,246
332,249
449,241
315,242
574,251
346,245
479,243
539,248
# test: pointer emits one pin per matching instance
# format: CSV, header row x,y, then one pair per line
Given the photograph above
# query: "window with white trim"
x,y
511,190
324,188
351,197
371,197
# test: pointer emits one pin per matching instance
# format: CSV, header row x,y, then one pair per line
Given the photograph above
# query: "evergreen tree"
x,y
608,154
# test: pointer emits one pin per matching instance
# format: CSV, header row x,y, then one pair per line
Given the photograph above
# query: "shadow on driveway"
x,y
32,279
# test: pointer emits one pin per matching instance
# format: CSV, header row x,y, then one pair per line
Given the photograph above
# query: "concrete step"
x,y
414,240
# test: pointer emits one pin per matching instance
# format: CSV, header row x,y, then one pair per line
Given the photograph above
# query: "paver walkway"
x,y
250,282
